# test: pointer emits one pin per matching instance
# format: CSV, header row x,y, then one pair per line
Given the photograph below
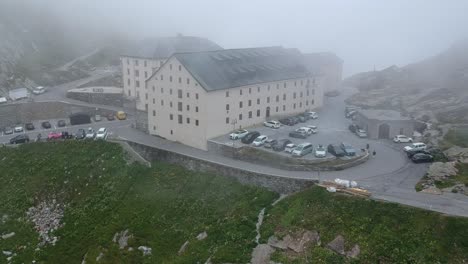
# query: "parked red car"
x,y
54,135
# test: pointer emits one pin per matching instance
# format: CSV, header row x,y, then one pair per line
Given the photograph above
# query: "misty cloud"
x,y
364,33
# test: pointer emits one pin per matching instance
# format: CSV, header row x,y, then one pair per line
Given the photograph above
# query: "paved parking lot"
x,y
110,125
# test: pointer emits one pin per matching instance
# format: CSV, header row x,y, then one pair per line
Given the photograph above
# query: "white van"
x,y
415,146
303,149
39,90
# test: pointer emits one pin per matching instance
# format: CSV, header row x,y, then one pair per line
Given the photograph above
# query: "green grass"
x,y
385,232
162,207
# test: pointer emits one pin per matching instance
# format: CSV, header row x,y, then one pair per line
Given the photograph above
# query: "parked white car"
x,y
101,134
289,148
320,151
313,115
314,129
415,146
90,133
238,134
39,90
402,139
18,129
361,133
272,124
259,141
307,130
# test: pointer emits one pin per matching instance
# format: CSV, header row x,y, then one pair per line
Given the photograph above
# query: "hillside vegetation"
x,y
161,207
385,232
100,209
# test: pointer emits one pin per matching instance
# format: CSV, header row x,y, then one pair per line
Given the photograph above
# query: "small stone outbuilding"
x,y
384,124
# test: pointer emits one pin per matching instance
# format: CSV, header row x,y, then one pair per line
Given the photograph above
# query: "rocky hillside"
x,y
39,48
436,87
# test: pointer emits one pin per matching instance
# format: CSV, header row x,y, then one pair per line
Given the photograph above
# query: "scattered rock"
x,y
337,245
130,249
299,244
202,235
183,248
4,218
457,153
146,250
6,236
7,253
46,217
442,170
354,252
432,190
99,257
208,261
280,244
261,254
122,238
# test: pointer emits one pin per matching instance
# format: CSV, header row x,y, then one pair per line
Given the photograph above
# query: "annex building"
x,y
195,96
142,60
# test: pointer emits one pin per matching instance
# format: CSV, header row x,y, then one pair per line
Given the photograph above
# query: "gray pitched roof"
x,y
157,48
315,61
380,114
222,69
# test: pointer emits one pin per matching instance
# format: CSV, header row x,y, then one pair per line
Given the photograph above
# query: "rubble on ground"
x,y
297,242
6,236
122,238
146,250
46,217
202,235
183,248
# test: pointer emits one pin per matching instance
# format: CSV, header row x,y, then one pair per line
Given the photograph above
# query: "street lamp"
x,y
233,122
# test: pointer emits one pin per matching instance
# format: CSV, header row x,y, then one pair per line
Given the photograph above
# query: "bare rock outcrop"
x,y
122,238
183,248
442,170
337,245
202,235
261,254
354,252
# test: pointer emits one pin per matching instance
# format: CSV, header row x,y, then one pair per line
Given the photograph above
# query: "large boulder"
x,y
261,254
442,170
354,252
300,243
337,245
457,153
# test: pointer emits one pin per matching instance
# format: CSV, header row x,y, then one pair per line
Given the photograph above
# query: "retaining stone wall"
x,y
275,183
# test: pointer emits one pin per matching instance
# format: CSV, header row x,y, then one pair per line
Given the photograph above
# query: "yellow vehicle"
x,y
121,115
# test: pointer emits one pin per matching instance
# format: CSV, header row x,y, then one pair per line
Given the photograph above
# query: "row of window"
x,y
180,119
179,93
249,102
276,109
179,106
161,78
137,73
277,87
145,63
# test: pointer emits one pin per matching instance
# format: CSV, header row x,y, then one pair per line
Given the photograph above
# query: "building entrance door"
x,y
384,131
267,112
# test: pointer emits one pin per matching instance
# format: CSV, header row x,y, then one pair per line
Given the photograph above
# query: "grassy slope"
x,y
384,231
162,207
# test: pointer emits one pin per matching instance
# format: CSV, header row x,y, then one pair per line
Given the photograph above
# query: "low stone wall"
x,y
275,183
259,156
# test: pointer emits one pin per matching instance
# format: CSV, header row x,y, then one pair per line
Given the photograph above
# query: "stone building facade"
x,y
196,96
142,61
384,124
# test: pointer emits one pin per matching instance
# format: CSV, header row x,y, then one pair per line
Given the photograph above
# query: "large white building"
x,y
141,61
195,96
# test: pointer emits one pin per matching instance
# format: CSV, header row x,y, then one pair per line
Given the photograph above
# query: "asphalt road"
x,y
389,175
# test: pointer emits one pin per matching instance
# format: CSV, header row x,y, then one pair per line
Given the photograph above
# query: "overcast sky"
x,y
365,33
